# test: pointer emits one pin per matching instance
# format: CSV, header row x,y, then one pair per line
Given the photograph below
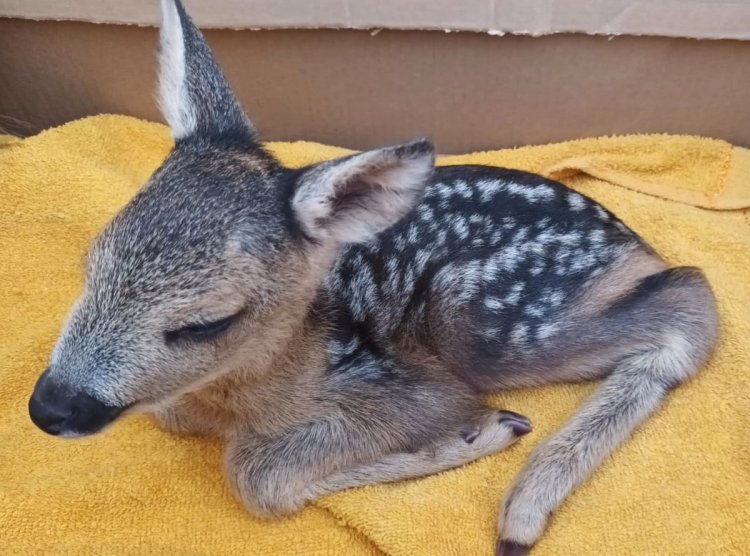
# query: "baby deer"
x,y
339,324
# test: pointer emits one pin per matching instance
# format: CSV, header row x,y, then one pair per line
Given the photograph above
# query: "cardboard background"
x,y
675,18
467,91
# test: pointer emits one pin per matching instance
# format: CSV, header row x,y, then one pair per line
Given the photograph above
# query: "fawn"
x,y
339,324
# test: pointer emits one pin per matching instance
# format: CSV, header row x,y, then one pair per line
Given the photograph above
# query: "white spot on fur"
x,y
569,238
490,270
392,280
462,189
601,213
556,298
489,189
546,330
444,190
426,213
399,242
362,290
597,236
421,258
408,279
510,257
413,236
576,201
490,333
493,303
536,248
521,234
531,193
545,236
460,227
582,260
519,333
534,310
514,294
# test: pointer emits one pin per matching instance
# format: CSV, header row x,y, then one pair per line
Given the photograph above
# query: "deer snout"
x,y
60,411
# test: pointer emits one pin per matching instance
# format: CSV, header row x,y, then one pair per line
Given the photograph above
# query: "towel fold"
x,y
680,486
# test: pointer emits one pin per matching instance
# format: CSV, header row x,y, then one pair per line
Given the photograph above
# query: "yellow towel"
x,y
680,486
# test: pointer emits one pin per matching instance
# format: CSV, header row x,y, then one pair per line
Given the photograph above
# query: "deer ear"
x,y
352,199
194,95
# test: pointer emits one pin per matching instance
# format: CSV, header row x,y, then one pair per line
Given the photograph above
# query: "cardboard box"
x,y
513,74
715,19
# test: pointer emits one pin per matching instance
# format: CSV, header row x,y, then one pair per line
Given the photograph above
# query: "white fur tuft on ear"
x,y
352,199
174,99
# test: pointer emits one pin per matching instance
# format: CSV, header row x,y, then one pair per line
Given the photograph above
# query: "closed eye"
x,y
201,331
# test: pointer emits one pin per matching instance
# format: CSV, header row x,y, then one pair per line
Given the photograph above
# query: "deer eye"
x,y
201,331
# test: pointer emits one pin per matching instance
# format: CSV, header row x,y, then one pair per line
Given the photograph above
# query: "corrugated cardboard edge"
x,y
677,18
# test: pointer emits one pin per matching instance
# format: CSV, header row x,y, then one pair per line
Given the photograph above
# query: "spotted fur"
x,y
338,324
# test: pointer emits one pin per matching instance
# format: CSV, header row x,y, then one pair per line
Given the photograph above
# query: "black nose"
x,y
58,410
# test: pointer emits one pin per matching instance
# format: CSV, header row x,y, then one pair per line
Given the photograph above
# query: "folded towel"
x,y
680,486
